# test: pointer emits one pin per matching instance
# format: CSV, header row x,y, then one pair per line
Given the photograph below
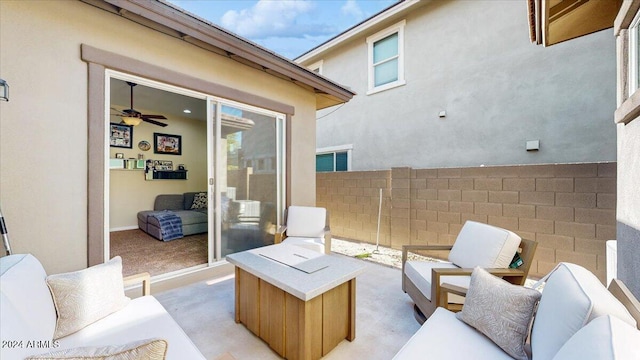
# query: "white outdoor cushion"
x,y
571,298
484,245
305,221
419,272
26,301
315,244
443,336
85,296
143,318
604,338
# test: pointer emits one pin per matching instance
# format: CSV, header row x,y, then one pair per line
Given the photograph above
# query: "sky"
x,y
287,27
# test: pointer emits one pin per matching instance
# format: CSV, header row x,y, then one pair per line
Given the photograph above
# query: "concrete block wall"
x,y
569,209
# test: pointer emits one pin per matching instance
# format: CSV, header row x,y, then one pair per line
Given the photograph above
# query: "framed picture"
x,y
163,165
167,144
121,135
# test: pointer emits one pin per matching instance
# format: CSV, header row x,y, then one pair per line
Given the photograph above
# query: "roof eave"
x,y
178,23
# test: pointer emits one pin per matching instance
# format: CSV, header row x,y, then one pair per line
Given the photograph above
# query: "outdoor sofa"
x,y
576,318
83,313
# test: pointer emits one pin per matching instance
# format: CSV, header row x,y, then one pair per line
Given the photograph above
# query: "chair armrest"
x,y
412,248
441,296
144,278
280,234
453,289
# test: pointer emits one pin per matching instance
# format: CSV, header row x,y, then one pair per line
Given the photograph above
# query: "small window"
x,y
634,55
336,158
316,67
386,58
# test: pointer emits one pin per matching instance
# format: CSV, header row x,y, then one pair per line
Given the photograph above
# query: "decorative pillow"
x,y
86,296
604,338
199,201
500,310
150,349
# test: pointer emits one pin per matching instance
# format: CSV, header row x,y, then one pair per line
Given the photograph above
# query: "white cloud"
x,y
352,8
268,18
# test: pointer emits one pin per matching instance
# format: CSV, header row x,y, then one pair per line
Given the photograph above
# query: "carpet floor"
x,y
141,252
384,318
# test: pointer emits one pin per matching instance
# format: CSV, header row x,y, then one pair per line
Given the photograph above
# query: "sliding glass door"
x,y
246,176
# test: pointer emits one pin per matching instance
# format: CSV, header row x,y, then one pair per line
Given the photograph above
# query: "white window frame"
x,y
337,149
371,40
316,65
634,62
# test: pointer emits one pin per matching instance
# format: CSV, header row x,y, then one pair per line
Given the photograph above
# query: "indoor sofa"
x,y
576,318
83,313
191,211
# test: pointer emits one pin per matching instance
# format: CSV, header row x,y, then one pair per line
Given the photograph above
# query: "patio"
x,y
384,313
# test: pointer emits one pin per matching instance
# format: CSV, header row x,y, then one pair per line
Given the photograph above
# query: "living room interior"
x,y
146,180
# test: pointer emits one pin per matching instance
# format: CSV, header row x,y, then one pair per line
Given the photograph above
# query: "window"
x,y
634,55
316,67
334,159
386,58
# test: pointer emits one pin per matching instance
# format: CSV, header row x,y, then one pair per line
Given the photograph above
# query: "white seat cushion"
x,y
305,221
26,305
419,272
315,244
484,245
571,298
143,318
443,336
604,338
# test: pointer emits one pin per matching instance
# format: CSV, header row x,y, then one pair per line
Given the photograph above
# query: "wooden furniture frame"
x,y
624,295
282,230
143,278
440,292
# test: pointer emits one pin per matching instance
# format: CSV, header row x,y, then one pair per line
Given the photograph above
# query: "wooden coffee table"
x,y
300,302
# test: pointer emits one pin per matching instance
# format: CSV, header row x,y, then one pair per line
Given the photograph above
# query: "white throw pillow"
x,y
86,296
605,338
484,245
150,349
500,310
571,298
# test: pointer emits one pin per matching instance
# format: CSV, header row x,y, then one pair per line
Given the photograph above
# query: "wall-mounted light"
x,y
533,145
4,90
442,113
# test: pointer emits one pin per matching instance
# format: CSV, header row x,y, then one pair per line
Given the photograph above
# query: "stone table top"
x,y
300,272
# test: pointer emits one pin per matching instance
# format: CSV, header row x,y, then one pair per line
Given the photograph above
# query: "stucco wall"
x,y
474,60
43,128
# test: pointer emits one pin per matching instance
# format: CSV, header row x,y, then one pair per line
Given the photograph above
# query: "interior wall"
x,y
129,192
44,193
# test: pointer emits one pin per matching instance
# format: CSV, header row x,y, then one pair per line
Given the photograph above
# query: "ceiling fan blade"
x,y
154,116
154,122
116,110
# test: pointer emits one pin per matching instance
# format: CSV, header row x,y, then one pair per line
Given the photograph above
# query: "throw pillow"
x,y
86,296
199,201
500,310
150,349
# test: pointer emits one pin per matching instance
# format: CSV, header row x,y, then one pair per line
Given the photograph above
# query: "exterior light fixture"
x,y
4,90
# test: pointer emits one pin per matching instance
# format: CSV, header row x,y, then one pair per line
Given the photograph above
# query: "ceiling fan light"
x,y
131,120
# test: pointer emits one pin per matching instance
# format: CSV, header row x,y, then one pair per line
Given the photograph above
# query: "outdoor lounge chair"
x,y
431,284
307,227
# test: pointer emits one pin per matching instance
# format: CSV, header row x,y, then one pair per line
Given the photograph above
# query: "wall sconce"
x,y
4,90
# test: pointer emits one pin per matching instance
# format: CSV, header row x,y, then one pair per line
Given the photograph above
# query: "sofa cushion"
x,y
85,296
169,202
151,349
604,338
443,336
142,318
571,298
500,310
26,304
304,221
484,245
199,201
419,272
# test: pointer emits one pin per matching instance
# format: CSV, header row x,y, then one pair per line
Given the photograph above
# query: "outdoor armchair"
x,y
431,283
307,227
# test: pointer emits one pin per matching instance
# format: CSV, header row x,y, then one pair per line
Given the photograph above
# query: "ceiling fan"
x,y
132,117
